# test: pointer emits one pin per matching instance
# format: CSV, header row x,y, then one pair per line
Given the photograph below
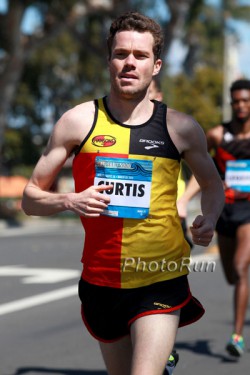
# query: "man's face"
x,y
132,63
241,104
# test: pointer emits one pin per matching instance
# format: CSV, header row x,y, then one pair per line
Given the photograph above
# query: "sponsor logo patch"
x,y
151,143
149,147
103,141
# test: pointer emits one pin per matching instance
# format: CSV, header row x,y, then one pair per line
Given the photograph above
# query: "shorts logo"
x,y
103,141
161,305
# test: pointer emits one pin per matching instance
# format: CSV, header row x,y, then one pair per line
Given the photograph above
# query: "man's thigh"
x,y
153,338
117,356
242,254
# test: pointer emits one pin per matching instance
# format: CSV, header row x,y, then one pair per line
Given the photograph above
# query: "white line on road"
x,y
62,293
39,275
37,300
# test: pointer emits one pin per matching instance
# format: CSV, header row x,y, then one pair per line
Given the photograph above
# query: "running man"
x,y
230,143
134,290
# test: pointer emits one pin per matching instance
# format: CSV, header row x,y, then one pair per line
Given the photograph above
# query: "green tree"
x,y
64,59
200,96
206,29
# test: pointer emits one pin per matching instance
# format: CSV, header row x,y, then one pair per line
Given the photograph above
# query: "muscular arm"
x,y
191,142
69,132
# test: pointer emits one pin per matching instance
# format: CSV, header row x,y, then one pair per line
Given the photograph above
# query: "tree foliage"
x,y
63,62
200,96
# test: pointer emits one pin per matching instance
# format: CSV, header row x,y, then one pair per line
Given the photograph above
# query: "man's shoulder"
x,y
216,130
82,115
183,129
177,115
180,121
75,123
215,136
85,108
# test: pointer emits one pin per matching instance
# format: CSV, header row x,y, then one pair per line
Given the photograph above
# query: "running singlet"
x,y
139,240
232,159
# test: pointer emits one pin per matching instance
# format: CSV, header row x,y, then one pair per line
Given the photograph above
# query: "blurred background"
x,y
53,56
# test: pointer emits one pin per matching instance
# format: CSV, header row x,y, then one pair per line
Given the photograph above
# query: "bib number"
x,y
237,175
131,179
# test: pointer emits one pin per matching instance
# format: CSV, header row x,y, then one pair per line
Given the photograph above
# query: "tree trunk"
x,y
14,65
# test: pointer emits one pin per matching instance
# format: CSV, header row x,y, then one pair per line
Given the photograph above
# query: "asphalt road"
x,y
40,325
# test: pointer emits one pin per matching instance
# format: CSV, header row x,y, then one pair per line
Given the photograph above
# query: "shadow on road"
x,y
59,371
203,347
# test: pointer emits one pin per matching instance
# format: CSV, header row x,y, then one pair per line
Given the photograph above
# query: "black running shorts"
x,y
233,215
109,312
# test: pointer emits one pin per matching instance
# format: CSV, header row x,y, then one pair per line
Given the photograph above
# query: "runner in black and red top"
x,y
230,144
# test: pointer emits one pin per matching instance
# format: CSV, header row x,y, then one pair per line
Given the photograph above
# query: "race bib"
x,y
131,179
238,175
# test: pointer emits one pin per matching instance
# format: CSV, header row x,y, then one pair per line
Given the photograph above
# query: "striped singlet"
x,y
124,252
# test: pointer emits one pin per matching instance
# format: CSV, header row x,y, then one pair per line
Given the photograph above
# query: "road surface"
x,y
40,326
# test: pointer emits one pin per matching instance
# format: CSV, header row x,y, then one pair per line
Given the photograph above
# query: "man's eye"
x,y
120,54
141,56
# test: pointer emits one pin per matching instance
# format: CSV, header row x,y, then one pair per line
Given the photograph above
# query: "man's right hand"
x,y
90,202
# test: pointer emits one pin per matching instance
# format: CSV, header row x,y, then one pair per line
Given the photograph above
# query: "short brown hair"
x,y
137,22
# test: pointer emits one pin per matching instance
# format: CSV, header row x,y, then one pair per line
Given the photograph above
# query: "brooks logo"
x,y
149,147
151,143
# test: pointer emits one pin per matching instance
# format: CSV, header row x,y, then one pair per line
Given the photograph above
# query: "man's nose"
x,y
130,60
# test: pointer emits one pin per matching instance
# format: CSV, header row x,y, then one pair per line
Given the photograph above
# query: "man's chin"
x,y
243,119
128,92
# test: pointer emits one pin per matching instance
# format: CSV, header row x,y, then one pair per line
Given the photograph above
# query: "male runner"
x,y
230,143
134,288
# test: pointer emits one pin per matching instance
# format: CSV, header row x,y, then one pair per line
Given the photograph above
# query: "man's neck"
x,y
242,127
130,111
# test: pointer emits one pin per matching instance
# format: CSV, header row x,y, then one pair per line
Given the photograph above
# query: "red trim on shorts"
x,y
197,317
161,311
93,334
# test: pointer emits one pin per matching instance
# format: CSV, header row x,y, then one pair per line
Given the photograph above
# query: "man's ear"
x,y
157,67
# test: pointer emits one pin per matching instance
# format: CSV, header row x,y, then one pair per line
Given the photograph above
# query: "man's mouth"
x,y
128,76
241,114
